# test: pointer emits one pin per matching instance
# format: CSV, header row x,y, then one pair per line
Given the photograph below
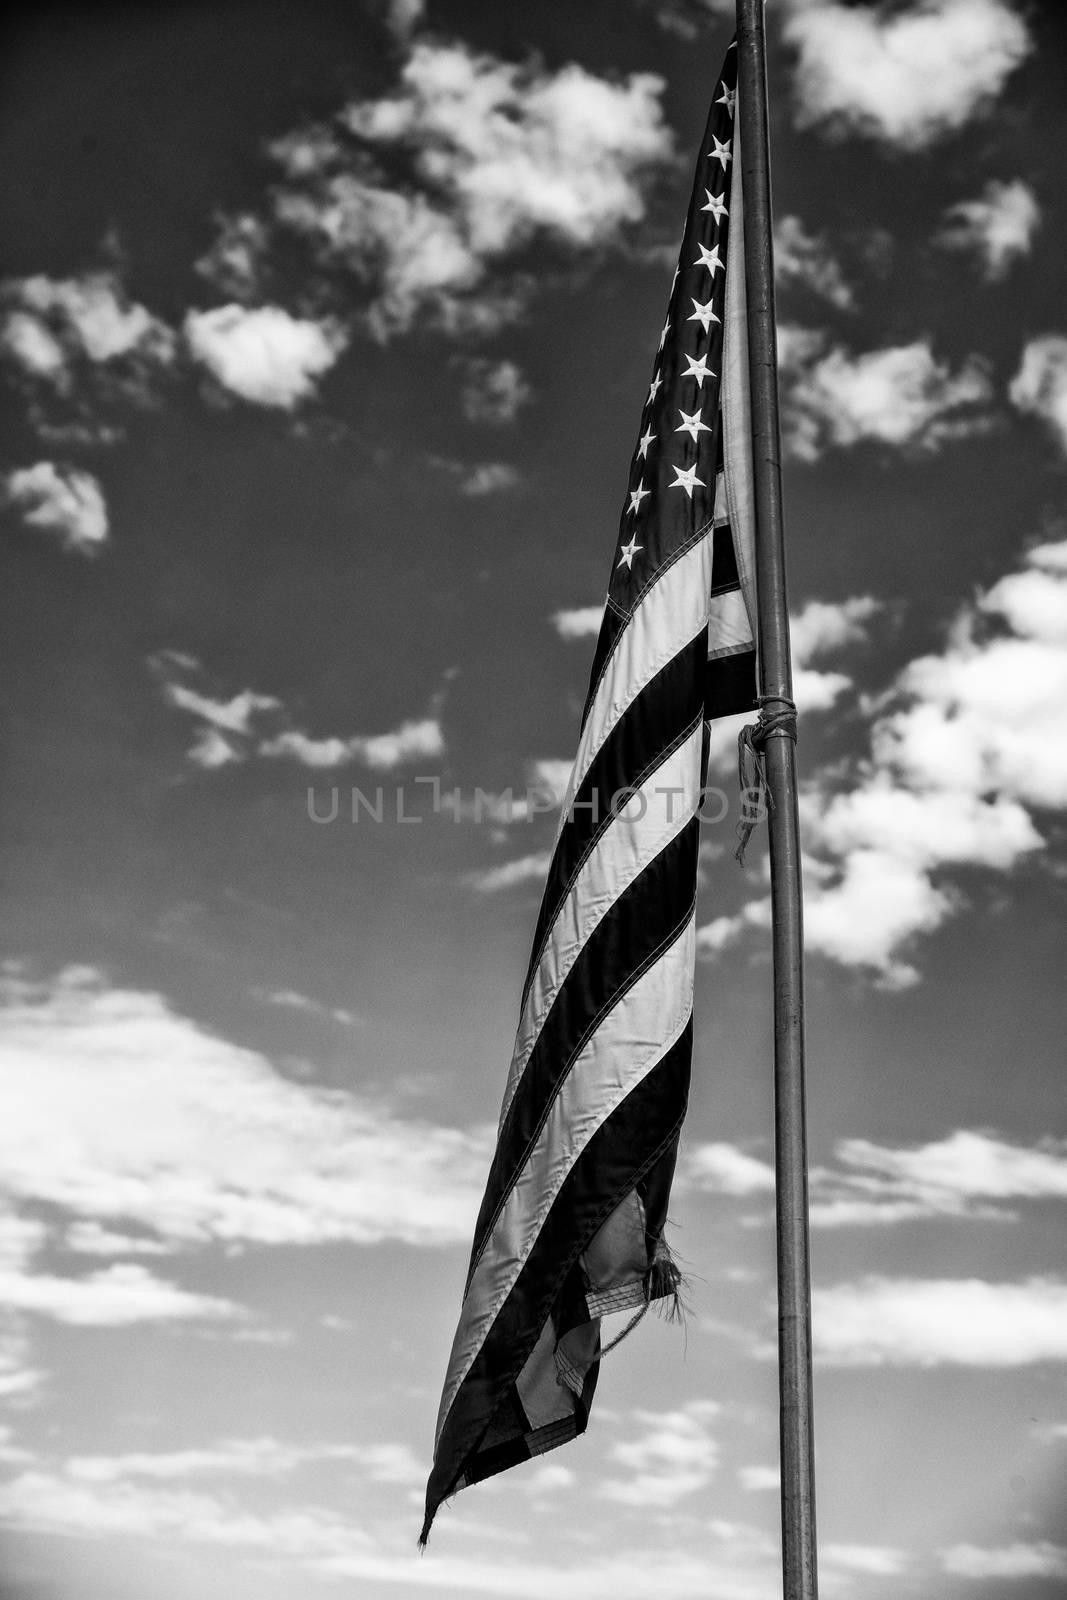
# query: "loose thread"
x,y
751,749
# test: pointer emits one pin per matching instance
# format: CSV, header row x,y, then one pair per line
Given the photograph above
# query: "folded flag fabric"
x,y
572,1224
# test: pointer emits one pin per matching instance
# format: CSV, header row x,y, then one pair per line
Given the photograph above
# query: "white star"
x,y
698,370
644,442
702,314
638,494
686,478
654,388
674,280
722,150
663,335
708,258
716,205
628,551
691,424
728,99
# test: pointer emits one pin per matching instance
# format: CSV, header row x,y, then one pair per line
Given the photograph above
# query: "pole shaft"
x,y
799,1566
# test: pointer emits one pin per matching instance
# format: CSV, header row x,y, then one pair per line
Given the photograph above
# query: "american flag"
x,y
572,1224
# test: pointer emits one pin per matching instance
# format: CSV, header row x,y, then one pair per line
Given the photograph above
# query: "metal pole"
x,y
799,1566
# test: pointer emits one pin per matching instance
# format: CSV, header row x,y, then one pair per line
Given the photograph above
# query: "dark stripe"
x,y
625,1146
724,575
653,725
731,685
644,920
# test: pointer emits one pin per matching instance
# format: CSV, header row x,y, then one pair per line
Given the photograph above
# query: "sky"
x,y
324,336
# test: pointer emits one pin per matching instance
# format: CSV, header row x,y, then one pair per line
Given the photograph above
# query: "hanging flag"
x,y
572,1224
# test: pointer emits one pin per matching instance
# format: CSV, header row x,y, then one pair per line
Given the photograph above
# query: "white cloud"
x,y
1040,385
56,322
122,1111
999,227
89,1238
264,354
491,477
116,1296
877,1560
64,501
674,1456
724,1169
756,1479
581,622
906,76
1040,1560
936,1322
494,155
963,748
382,752
493,392
805,258
256,1458
821,626
527,869
901,396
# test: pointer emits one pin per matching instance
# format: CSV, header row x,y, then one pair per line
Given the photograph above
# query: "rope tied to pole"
x,y
756,796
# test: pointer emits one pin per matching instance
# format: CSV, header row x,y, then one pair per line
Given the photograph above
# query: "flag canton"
x,y
671,491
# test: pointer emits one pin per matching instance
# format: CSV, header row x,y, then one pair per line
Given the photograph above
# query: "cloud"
x,y
822,626
940,1322
756,1479
724,1169
263,354
491,880
64,501
906,77
112,1298
806,259
292,1000
494,392
900,396
673,1457
1040,385
231,729
426,193
963,748
1040,1560
491,477
124,1112
255,1458
56,323
382,752
877,1560
999,227
582,622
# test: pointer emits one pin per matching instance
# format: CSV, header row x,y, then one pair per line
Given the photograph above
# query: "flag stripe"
x,y
621,1151
672,612
644,921
626,1046
660,721
668,798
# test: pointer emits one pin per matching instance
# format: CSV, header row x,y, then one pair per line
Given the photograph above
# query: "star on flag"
x,y
637,495
716,205
628,551
686,478
702,313
698,368
708,258
691,424
721,152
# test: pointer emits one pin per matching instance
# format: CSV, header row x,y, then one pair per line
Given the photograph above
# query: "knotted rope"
x,y
751,748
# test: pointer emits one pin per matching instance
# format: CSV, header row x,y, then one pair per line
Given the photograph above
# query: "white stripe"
x,y
735,398
669,797
635,1035
729,629
672,613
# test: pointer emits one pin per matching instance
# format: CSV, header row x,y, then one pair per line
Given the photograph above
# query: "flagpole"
x,y
799,1565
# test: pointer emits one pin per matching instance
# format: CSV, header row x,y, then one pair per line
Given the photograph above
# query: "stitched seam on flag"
x,y
510,1372
732,650
605,1010
677,826
648,585
649,770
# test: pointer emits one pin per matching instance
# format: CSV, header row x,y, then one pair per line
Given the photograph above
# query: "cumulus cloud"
x,y
674,1455
964,748
1040,385
806,259
65,502
580,622
906,76
53,324
230,730
998,228
123,1112
900,396
263,354
927,1322
422,194
527,869
493,392
722,1168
